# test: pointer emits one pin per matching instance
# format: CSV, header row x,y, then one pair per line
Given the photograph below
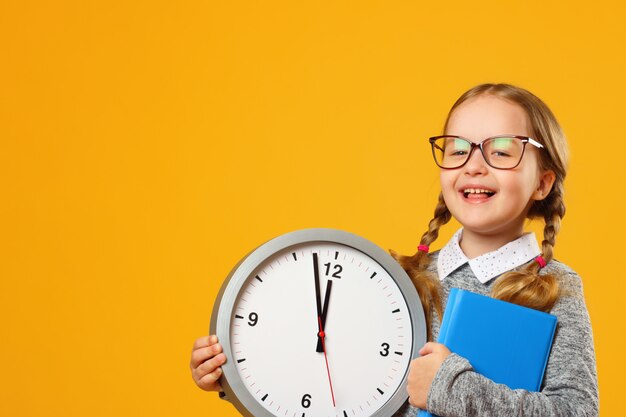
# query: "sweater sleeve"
x,y
569,388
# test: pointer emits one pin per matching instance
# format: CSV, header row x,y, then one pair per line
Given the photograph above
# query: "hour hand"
x,y
329,287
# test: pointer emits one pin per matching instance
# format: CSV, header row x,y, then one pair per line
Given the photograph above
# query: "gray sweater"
x,y
570,385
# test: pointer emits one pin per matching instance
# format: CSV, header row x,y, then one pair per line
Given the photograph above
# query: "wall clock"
x,y
318,323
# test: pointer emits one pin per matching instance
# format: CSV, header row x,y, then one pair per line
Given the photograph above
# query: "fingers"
x,y
206,361
432,347
210,365
207,374
427,348
205,341
210,381
201,354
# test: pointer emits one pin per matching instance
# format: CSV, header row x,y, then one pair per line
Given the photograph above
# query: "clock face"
x,y
275,324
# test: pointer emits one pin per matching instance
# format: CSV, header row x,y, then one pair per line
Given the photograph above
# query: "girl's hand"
x,y
422,372
206,359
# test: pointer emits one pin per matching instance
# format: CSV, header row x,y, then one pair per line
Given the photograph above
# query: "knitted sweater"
x,y
570,386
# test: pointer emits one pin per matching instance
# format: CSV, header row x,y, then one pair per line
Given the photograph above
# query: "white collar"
x,y
490,264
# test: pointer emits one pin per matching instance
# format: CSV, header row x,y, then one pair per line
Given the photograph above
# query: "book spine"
x,y
547,354
454,299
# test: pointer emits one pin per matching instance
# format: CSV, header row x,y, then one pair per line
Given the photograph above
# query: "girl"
x,y
503,159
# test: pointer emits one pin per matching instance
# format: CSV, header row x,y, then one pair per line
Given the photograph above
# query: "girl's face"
x,y
503,212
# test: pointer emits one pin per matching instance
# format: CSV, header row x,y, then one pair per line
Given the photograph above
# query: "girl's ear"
x,y
546,180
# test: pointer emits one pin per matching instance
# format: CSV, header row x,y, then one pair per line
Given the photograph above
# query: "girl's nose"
x,y
476,164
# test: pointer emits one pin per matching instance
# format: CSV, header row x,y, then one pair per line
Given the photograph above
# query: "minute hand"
x,y
321,313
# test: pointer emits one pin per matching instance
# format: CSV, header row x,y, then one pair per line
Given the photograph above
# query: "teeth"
x,y
477,191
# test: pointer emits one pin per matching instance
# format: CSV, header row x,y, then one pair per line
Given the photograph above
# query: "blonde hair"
x,y
524,286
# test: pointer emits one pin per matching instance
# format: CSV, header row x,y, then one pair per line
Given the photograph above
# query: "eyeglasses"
x,y
500,152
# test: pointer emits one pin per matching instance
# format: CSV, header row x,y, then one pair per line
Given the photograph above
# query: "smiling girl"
x,y
503,160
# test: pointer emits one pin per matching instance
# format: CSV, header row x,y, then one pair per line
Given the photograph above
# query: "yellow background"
x,y
145,146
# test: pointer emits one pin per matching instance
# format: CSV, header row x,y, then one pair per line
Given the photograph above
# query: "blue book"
x,y
505,342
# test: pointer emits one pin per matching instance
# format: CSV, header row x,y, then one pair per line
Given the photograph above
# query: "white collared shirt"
x,y
490,264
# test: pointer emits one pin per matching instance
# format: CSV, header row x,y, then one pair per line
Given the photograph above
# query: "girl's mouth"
x,y
477,193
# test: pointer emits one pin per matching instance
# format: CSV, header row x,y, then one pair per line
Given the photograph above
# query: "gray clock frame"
x,y
234,388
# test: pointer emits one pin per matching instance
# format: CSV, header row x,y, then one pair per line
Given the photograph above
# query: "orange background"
x,y
146,146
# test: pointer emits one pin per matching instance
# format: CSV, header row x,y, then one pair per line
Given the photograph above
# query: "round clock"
x,y
318,323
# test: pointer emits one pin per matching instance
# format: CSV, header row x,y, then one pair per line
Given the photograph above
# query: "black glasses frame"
x,y
524,139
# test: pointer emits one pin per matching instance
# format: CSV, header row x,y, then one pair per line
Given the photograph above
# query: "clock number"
x,y
338,269
306,401
385,351
254,318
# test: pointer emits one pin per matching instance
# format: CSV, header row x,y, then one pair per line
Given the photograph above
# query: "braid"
x,y
442,216
416,266
554,214
526,286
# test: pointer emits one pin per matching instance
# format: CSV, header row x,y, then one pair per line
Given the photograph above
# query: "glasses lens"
x,y
451,152
503,152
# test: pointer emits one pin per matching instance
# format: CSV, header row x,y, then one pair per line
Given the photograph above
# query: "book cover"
x,y
505,342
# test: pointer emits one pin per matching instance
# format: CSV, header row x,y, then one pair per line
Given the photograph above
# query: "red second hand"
x,y
322,335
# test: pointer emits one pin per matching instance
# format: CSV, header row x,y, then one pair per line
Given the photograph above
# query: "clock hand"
x,y
322,335
316,274
329,286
